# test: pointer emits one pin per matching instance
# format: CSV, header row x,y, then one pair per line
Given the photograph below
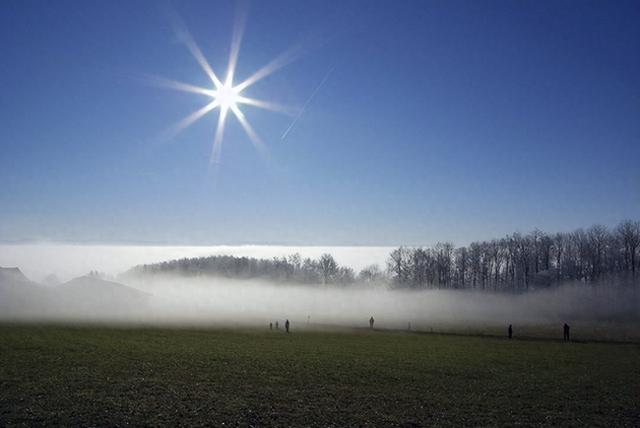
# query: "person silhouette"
x,y
286,325
510,331
270,326
371,321
566,330
277,326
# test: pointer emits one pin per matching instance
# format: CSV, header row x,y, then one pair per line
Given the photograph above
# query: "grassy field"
x,y
99,376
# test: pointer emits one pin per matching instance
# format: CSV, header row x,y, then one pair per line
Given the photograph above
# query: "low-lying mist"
x,y
609,306
210,301
238,301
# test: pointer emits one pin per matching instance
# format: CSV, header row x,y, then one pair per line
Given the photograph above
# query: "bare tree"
x,y
371,274
419,267
629,233
328,268
461,264
398,265
444,260
597,236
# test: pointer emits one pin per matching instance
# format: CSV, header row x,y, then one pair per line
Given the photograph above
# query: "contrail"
x,y
304,106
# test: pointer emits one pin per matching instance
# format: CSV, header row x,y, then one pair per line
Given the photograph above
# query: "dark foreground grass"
x,y
99,376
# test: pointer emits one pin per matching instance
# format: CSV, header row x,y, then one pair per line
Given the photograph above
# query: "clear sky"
x,y
442,120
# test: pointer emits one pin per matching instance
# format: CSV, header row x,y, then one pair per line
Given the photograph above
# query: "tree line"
x,y
293,268
520,262
517,262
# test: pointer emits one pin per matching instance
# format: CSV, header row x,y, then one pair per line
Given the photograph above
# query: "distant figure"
x,y
566,330
286,325
371,321
510,331
277,327
270,326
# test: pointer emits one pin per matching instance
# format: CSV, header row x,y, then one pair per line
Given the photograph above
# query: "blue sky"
x,y
440,120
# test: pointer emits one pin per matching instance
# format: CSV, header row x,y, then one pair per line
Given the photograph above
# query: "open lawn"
x,y
103,376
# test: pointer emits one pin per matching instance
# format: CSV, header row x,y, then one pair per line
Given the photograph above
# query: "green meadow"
x,y
61,375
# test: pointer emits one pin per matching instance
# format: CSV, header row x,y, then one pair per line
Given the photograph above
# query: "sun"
x,y
226,96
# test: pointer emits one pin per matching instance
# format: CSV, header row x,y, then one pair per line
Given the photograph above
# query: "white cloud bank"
x,y
67,261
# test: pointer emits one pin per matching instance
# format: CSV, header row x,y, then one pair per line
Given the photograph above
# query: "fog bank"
x,y
237,300
604,310
597,311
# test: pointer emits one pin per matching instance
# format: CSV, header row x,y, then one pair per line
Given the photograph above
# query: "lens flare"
x,y
225,96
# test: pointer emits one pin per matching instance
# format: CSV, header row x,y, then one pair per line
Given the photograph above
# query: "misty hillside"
x,y
12,275
83,296
291,269
96,293
17,291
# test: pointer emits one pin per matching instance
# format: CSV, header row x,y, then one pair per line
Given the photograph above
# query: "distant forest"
x,y
516,262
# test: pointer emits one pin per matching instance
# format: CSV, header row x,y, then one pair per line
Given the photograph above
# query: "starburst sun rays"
x,y
224,95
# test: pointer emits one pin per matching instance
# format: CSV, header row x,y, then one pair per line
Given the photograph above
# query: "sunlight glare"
x,y
225,96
